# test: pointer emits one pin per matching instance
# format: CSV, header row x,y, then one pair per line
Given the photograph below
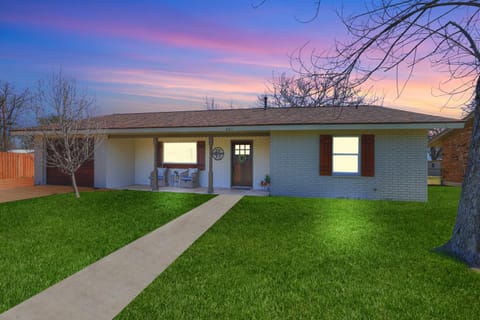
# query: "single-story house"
x,y
353,152
455,144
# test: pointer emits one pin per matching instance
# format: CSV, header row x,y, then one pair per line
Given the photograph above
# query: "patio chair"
x,y
162,177
189,178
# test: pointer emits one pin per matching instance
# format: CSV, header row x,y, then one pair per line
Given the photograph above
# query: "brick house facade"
x,y
368,152
455,144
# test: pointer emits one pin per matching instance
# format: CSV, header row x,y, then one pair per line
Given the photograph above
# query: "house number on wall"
x,y
218,153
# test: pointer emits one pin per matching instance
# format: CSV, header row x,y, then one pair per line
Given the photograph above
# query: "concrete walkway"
x,y
103,289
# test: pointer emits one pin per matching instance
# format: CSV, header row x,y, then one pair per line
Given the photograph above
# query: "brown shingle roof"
x,y
271,116
437,140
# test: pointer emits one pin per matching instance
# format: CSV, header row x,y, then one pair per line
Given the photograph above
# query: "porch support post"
x,y
210,164
155,161
40,161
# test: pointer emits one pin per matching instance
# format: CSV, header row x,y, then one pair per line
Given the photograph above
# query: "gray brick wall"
x,y
400,167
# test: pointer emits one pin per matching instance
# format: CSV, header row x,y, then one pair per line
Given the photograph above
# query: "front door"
x,y
242,163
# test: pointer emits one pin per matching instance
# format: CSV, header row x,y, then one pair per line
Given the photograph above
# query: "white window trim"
x,y
358,173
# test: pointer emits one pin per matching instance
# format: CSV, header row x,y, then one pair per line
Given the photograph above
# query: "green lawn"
x,y
277,258
44,240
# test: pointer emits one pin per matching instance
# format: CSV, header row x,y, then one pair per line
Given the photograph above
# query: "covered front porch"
x,y
222,162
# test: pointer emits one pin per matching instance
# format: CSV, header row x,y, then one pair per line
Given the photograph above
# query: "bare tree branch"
x,y
393,34
12,105
68,128
258,5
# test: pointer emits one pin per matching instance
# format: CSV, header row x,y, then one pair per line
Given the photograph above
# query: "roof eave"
x,y
301,127
268,128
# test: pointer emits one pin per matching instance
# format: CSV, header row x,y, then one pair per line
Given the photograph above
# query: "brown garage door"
x,y
84,176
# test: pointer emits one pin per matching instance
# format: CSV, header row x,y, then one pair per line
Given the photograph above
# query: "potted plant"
x,y
266,182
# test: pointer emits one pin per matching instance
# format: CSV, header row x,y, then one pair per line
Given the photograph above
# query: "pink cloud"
x,y
199,34
230,83
419,96
258,61
243,90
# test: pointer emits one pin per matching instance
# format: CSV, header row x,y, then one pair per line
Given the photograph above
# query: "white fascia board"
x,y
360,126
268,128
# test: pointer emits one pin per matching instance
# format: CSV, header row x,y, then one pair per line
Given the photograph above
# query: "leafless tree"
x,y
394,34
435,152
12,105
67,127
390,35
468,108
210,103
319,89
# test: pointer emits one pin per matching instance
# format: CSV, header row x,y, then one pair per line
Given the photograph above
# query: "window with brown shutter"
x,y
368,155
325,155
344,159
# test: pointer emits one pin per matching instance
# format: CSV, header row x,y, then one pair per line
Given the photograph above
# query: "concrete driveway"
x,y
21,193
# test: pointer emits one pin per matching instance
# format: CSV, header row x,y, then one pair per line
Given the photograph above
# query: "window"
x,y
242,149
181,155
180,152
345,155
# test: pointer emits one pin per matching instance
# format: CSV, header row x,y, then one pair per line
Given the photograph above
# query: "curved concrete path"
x,y
103,289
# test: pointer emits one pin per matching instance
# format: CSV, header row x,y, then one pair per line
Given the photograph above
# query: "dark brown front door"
x,y
242,163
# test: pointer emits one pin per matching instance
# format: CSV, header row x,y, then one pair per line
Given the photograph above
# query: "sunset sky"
x,y
136,56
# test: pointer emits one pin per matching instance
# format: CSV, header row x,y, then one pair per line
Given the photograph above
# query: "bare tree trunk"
x,y
67,127
465,241
74,185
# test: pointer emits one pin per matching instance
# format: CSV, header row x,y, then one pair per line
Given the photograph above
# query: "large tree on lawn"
x,y
394,34
67,127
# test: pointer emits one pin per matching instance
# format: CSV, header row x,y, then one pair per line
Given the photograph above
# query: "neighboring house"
x,y
455,144
366,152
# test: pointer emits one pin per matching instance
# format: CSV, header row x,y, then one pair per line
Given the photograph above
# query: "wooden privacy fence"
x,y
16,170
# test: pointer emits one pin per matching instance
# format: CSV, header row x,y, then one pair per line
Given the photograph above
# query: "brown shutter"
x,y
368,155
160,154
325,155
201,155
